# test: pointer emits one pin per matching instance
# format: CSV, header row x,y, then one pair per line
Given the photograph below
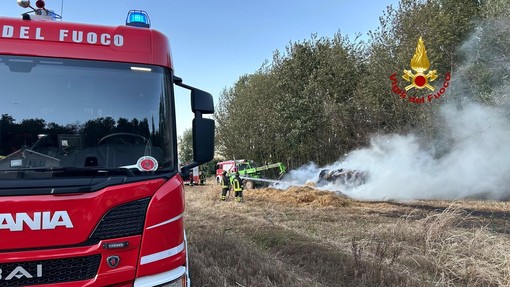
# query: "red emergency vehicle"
x,y
90,189
228,165
196,177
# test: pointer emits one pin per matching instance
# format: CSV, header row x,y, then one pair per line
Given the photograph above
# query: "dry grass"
x,y
472,257
305,237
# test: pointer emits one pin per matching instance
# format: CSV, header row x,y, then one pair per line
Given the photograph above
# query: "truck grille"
x,y
124,220
49,271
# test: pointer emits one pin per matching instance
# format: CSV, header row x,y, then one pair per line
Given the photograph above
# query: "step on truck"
x,y
91,193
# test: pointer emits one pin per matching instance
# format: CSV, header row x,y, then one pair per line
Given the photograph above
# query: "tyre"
x,y
249,184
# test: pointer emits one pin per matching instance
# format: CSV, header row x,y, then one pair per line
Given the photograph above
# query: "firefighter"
x,y
225,185
202,178
191,177
237,183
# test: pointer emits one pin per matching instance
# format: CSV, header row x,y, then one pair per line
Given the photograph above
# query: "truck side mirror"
x,y
203,128
203,140
202,102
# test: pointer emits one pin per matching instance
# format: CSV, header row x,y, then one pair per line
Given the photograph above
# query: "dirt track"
x,y
305,237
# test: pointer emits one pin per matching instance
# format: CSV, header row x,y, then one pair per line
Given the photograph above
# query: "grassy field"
x,y
304,237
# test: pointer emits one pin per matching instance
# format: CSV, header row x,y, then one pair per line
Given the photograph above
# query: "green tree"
x,y
443,24
485,74
185,147
323,97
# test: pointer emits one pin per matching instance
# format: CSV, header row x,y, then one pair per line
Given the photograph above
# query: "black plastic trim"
x,y
19,187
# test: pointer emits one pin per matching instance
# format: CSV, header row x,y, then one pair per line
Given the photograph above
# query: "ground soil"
x,y
305,237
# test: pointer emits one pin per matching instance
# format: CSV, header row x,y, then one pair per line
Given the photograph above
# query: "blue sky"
x,y
215,42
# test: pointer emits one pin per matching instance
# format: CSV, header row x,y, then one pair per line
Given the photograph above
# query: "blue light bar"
x,y
138,18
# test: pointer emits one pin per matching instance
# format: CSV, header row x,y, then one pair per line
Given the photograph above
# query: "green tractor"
x,y
254,175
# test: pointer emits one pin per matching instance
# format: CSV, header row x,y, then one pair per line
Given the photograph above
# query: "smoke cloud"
x,y
470,158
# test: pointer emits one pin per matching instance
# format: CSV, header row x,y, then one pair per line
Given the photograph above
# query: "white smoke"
x,y
476,163
399,167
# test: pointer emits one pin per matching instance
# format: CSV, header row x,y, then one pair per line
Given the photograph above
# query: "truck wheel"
x,y
248,184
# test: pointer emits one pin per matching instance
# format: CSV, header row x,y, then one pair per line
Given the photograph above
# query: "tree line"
x,y
325,96
28,132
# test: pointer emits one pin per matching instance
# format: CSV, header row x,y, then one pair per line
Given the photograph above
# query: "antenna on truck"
x,y
40,13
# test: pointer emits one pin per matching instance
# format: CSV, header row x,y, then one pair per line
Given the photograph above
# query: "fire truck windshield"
x,y
60,113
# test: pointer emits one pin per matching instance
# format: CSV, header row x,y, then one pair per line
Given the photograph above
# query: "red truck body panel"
x,y
159,252
77,206
57,227
83,41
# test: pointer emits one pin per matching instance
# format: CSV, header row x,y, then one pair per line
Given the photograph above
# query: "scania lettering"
x,y
19,273
39,220
91,192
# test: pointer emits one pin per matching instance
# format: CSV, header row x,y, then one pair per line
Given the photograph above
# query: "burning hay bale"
x,y
347,177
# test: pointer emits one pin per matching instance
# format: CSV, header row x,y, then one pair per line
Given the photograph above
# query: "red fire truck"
x,y
90,189
196,177
228,166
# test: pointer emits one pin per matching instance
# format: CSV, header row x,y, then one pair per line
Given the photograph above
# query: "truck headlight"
x,y
179,282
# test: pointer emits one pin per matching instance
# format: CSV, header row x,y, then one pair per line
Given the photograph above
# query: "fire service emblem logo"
x,y
420,63
420,79
113,261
